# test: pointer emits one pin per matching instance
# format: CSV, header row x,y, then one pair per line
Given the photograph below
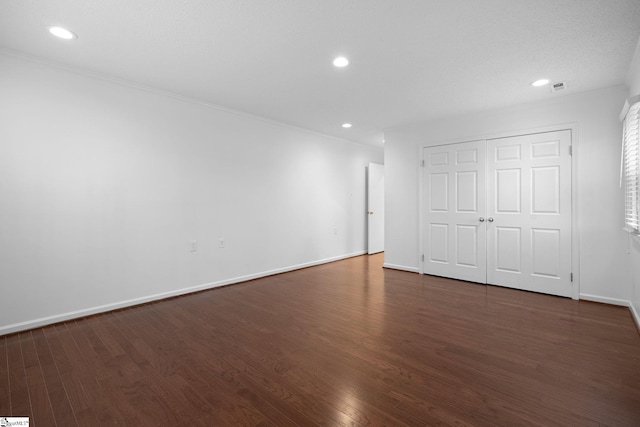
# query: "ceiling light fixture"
x,y
62,33
340,62
541,82
346,125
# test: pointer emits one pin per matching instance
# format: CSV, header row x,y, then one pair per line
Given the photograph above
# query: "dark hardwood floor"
x,y
346,343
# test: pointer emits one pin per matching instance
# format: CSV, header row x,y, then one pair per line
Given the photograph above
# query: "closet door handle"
x,y
481,219
490,219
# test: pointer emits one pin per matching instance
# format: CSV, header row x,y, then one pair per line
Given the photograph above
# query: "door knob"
x,y
490,219
481,219
370,212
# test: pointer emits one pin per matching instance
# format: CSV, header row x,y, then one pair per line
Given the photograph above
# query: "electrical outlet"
x,y
194,245
221,243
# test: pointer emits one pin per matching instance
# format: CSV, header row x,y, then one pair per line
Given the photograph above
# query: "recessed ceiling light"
x,y
341,61
541,82
62,33
346,125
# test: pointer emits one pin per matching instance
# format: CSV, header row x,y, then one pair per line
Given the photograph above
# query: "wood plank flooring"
x,y
346,343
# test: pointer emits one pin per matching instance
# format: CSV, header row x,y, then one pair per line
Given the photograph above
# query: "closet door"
x,y
529,212
454,206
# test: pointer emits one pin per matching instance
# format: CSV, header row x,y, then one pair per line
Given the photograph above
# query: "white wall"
x,y
603,264
103,186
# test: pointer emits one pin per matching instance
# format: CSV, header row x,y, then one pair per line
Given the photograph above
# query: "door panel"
x,y
455,239
438,197
466,244
508,249
439,252
508,191
467,191
545,188
545,251
530,204
507,152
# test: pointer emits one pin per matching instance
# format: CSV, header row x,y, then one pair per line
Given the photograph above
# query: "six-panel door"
x,y
454,184
529,200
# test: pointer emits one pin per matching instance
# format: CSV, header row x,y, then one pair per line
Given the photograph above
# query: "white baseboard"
x,y
635,315
401,267
615,301
43,321
605,300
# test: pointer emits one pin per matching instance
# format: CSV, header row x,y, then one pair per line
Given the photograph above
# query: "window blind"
x,y
631,167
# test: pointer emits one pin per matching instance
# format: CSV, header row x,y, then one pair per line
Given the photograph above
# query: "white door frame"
x,y
575,237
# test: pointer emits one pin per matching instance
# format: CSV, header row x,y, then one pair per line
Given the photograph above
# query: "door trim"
x,y
575,237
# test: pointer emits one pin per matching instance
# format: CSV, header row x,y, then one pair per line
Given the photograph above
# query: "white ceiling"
x,y
411,60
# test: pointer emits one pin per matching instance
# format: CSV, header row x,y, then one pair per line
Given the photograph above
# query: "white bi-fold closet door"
x,y
498,211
